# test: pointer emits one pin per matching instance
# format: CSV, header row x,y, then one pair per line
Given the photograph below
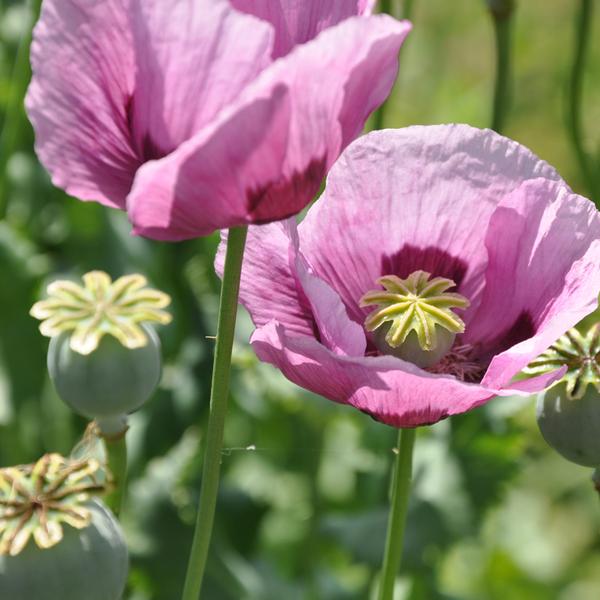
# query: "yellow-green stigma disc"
x,y
414,319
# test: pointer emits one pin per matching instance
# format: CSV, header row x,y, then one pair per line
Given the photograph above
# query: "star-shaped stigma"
x,y
101,307
35,500
580,353
417,303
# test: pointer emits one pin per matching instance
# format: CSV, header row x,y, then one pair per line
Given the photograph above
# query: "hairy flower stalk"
x,y
104,359
416,315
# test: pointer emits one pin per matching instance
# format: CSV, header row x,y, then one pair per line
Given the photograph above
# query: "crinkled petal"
x,y
269,287
542,278
119,82
387,388
336,331
277,283
197,189
83,75
417,198
193,57
189,193
297,22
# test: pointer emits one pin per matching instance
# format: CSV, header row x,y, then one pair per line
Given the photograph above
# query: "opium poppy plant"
x,y
196,115
437,264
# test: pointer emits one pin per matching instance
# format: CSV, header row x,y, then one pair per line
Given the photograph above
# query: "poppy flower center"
x,y
414,318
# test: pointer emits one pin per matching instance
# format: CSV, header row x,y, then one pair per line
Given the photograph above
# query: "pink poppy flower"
x,y
193,115
447,201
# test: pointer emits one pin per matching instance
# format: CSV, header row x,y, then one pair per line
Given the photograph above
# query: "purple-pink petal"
x,y
298,22
358,61
192,58
543,244
390,390
415,198
196,189
119,82
269,285
83,75
455,201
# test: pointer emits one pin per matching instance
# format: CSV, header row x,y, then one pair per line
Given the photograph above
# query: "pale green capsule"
x,y
87,564
571,425
110,381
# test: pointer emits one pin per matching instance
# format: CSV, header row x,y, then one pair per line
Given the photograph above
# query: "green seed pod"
x,y
79,550
411,351
104,359
109,382
568,413
571,425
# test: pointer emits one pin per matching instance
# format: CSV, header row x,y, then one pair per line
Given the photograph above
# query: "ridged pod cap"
x,y
568,414
104,357
57,541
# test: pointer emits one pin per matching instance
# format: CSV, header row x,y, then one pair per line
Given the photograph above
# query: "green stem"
x,y
407,9
116,458
14,110
385,7
583,25
502,12
397,519
218,409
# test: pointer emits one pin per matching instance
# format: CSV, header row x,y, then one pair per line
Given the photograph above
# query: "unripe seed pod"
x,y
111,381
88,564
57,541
411,351
103,358
568,413
571,425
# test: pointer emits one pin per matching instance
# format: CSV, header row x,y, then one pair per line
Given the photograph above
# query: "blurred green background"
x,y
495,514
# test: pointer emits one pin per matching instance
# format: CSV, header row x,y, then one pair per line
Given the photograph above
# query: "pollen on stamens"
x,y
461,363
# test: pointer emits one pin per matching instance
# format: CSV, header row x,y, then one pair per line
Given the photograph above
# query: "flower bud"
x,y
57,542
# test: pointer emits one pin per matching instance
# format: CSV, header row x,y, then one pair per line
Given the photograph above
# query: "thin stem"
x,y
397,519
583,24
502,12
407,9
218,409
14,109
116,458
385,7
